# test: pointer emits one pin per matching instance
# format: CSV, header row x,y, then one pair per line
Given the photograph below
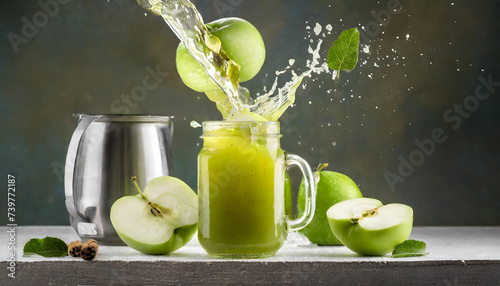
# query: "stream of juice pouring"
x,y
187,23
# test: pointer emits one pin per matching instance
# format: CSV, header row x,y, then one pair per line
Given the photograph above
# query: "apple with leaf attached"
x,y
159,220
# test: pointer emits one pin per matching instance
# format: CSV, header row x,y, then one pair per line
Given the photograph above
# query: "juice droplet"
x,y
194,124
187,23
317,29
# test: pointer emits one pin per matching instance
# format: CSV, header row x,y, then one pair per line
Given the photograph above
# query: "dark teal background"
x,y
89,53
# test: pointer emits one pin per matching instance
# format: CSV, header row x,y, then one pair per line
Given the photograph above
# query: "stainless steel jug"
x,y
105,151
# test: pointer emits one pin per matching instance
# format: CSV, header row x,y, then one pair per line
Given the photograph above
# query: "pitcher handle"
x,y
310,191
83,124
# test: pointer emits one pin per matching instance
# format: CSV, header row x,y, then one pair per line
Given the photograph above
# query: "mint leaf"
x,y
410,248
343,55
46,247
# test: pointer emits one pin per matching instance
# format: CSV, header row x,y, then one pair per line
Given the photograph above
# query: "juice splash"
x,y
234,101
187,23
241,167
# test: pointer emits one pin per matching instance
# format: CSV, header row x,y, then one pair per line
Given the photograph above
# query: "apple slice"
x,y
161,220
368,227
331,188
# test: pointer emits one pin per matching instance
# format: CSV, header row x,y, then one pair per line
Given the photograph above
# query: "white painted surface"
x,y
443,244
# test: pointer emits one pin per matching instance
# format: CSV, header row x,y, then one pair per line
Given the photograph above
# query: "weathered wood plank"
x,y
457,256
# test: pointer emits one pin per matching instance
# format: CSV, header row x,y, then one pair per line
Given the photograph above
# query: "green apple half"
x,y
240,40
332,187
161,220
368,227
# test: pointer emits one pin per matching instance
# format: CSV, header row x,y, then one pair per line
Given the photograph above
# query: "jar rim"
x,y
245,128
125,117
237,123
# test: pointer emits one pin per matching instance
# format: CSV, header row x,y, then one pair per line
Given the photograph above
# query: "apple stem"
x,y
321,166
134,180
155,210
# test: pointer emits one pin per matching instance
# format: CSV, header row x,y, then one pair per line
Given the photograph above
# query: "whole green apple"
x,y
368,227
161,220
240,40
332,188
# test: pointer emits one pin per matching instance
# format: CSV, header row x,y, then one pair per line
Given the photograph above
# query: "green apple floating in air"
x,y
332,188
159,220
240,40
368,227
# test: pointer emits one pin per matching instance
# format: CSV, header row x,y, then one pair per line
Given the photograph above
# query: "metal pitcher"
x,y
105,151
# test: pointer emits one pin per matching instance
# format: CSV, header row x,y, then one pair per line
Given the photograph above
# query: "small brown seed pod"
x,y
75,248
89,250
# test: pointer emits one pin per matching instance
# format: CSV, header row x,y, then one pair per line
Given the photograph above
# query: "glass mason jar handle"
x,y
310,191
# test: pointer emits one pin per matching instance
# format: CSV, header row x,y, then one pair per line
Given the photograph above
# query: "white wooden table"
x,y
457,256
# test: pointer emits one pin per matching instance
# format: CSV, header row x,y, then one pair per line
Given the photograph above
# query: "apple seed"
x,y
155,210
367,213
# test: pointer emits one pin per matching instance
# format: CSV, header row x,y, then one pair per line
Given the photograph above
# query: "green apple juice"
x,y
241,166
241,189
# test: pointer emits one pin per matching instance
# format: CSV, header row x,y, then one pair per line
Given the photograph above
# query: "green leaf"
x,y
410,248
46,247
343,55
